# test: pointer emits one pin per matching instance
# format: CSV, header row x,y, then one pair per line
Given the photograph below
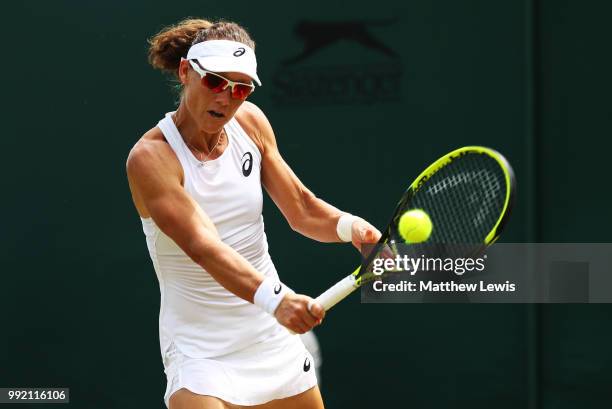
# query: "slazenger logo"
x,y
348,79
277,288
239,52
318,34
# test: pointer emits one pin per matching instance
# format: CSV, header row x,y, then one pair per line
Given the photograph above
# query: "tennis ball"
x,y
415,226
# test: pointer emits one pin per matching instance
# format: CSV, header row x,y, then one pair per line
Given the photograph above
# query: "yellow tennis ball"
x,y
415,226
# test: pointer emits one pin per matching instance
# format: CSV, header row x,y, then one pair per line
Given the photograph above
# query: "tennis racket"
x,y
468,195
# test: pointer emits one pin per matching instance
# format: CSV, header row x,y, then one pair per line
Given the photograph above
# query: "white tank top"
x,y
197,314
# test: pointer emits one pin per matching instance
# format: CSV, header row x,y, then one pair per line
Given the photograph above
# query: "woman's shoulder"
x,y
151,143
254,122
250,111
150,150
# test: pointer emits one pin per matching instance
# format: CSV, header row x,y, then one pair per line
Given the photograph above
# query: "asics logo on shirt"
x,y
306,364
277,289
247,164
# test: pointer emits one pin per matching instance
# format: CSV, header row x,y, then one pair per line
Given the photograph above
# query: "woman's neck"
x,y
192,132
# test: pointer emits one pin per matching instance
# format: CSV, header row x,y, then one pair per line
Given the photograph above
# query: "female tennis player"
x,y
196,180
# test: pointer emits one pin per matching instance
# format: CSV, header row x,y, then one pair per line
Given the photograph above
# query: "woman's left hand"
x,y
364,233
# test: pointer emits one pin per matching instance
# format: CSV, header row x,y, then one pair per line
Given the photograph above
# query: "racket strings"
x,y
464,199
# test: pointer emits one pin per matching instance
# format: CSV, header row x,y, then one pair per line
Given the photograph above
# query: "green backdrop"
x,y
396,85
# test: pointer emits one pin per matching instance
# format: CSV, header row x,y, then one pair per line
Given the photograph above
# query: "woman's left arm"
x,y
306,213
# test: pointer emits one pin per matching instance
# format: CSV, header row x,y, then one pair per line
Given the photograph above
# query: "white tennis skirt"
x,y
276,368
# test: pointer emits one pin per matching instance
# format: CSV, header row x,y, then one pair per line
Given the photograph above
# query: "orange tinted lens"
x,y
241,91
213,82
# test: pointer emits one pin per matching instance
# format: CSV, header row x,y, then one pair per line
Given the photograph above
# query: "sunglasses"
x,y
217,83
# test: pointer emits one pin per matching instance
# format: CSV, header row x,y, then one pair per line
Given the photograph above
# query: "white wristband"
x,y
345,227
269,294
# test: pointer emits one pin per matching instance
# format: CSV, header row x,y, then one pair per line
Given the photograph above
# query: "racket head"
x,y
468,195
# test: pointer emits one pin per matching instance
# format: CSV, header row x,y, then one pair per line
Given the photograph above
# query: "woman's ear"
x,y
183,71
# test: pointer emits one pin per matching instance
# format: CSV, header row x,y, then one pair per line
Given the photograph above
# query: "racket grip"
x,y
334,294
337,293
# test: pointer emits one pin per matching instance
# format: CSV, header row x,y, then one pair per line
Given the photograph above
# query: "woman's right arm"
x,y
154,174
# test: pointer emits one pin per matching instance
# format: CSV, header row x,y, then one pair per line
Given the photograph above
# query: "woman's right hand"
x,y
293,313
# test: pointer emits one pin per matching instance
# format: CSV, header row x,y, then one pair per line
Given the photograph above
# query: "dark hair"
x,y
167,47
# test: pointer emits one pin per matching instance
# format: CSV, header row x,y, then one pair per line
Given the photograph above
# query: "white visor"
x,y
225,56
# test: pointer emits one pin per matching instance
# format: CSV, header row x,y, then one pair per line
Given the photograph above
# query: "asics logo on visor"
x,y
239,52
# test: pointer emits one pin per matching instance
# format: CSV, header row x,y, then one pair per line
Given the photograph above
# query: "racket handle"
x,y
334,294
337,293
